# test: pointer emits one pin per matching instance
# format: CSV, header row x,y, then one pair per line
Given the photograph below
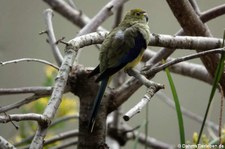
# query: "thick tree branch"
x,y
186,16
56,97
205,17
185,42
60,83
74,16
193,25
5,144
181,42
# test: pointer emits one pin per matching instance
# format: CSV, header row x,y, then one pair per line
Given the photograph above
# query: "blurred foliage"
x,y
68,106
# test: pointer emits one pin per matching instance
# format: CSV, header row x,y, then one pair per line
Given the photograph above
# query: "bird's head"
x,y
137,15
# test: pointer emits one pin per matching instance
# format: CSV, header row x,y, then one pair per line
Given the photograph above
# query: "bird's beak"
x,y
146,16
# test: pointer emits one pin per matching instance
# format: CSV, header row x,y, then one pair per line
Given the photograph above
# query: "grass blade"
x,y
139,131
177,104
218,74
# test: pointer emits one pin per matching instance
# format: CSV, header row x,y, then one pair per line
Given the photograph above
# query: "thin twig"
x,y
63,119
25,90
152,89
143,79
74,16
48,14
118,16
138,107
194,71
150,142
101,16
17,127
62,136
22,102
181,59
72,4
29,60
59,137
195,6
22,117
213,13
57,121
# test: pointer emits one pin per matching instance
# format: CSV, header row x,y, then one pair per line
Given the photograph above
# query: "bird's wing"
x,y
119,55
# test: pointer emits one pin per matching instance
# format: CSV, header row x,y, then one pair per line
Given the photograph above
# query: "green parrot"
x,y
122,48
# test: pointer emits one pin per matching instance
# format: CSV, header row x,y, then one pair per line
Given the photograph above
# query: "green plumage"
x,y
122,48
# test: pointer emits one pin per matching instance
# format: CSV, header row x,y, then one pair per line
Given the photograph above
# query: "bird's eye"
x,y
138,14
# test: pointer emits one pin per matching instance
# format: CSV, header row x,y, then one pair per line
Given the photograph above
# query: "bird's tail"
x,y
97,102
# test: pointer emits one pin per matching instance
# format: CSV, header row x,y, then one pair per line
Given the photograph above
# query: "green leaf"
x,y
177,105
218,74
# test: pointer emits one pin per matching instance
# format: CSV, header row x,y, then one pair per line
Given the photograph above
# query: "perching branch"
x,y
48,14
29,60
181,42
185,42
